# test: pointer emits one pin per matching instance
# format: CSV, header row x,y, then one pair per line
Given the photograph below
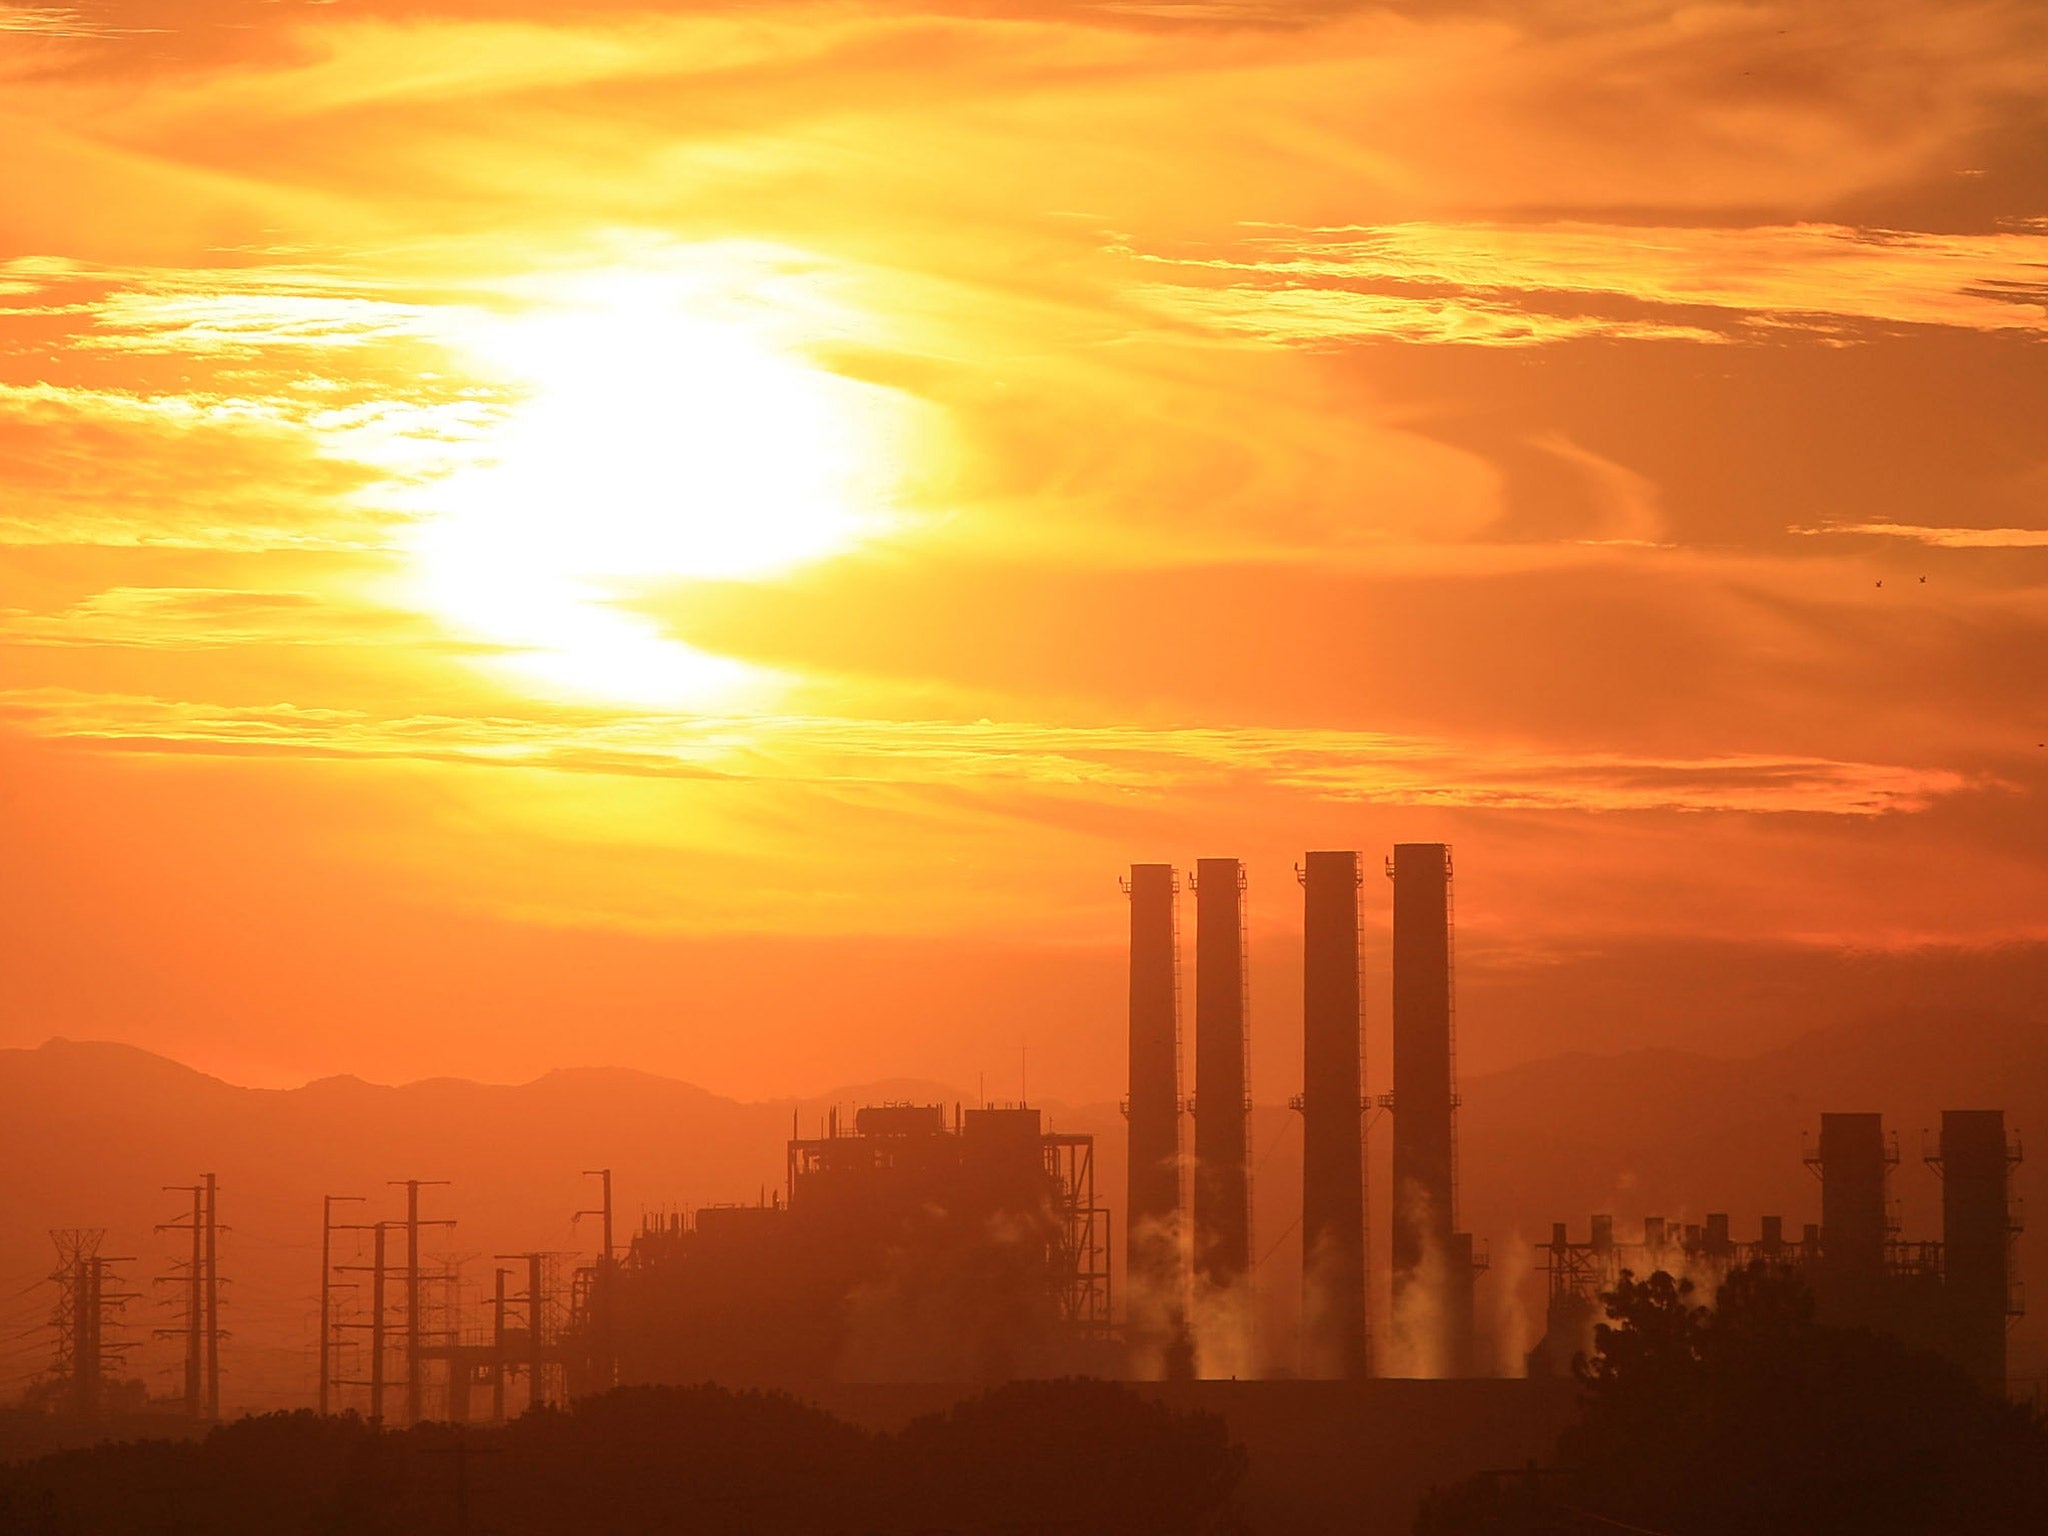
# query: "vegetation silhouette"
x,y
1750,1416
1056,1456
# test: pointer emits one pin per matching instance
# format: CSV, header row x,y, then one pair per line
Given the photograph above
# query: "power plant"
x,y
1953,1297
932,1243
911,1245
1433,1264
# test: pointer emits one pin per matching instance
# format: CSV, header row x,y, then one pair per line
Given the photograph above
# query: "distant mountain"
x,y
91,1130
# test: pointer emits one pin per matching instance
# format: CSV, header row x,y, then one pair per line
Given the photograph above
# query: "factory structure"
x,y
1953,1297
909,1243
936,1243
915,1244
1185,1255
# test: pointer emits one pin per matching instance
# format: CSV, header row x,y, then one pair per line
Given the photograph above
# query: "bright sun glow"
x,y
659,436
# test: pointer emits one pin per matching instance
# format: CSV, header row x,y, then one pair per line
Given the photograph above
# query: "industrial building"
x,y
1433,1265
920,1243
913,1243
910,1245
1954,1297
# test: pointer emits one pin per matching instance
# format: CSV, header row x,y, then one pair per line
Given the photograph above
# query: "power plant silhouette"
x,y
1954,1297
930,1243
1432,1263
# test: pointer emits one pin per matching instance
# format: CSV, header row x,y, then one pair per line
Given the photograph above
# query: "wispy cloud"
x,y
128,392
1319,316
1504,284
1941,538
312,467
200,619
1334,766
53,21
243,324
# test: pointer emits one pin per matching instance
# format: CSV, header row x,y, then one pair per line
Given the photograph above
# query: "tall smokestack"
x,y
1976,1239
1461,1270
1853,1166
1425,1167
1854,1163
1154,1281
1335,1340
1223,1174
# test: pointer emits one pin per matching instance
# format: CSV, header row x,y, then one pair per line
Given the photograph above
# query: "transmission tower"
x,y
377,1270
415,1296
531,1346
603,1289
200,1277
88,1296
328,1227
192,1278
211,1253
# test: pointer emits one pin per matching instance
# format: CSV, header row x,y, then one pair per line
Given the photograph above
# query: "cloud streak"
x,y
1502,284
1338,767
1941,538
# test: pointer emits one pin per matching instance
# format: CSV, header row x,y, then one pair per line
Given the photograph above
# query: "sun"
x,y
660,432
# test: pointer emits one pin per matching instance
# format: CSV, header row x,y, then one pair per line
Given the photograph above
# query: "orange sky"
x,y
704,537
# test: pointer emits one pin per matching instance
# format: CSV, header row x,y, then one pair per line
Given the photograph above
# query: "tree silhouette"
x,y
1752,1417
1082,1457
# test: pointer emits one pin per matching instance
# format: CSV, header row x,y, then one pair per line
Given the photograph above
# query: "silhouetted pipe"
x,y
1976,1237
1222,1192
1424,1214
1460,1274
1152,1247
1334,1333
1852,1196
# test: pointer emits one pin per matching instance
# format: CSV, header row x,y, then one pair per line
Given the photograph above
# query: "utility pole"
x,y
212,1299
536,1324
327,1229
414,1340
375,1269
194,1331
602,1293
377,1329
536,1328
498,1350
604,1209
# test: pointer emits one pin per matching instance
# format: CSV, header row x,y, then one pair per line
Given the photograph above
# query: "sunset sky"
x,y
706,537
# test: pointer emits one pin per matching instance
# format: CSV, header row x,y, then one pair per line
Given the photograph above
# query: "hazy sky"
x,y
705,537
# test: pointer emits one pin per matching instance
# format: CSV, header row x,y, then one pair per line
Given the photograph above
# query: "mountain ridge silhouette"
x,y
96,1127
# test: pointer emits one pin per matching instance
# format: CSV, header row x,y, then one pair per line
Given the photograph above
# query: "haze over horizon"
x,y
1646,1132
